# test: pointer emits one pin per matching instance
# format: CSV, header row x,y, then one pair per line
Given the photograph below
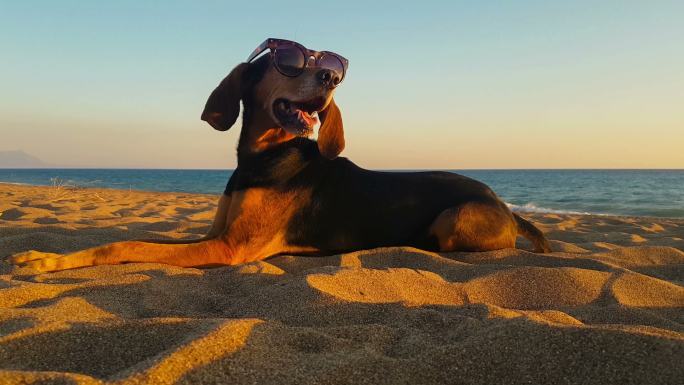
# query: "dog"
x,y
292,195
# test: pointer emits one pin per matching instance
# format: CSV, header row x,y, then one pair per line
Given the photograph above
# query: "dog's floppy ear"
x,y
331,133
223,106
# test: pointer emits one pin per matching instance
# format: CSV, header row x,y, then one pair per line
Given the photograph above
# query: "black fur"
x,y
353,208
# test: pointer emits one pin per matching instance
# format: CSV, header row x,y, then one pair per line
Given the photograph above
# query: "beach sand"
x,y
607,307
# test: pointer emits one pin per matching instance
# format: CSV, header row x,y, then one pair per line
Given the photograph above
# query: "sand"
x,y
607,307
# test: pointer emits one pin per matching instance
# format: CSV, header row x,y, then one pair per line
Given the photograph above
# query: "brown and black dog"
x,y
291,194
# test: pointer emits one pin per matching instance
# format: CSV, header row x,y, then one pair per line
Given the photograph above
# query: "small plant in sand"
x,y
62,190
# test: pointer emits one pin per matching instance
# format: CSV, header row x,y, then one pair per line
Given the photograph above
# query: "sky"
x,y
431,84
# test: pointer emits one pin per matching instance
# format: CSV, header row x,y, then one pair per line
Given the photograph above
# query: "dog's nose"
x,y
329,78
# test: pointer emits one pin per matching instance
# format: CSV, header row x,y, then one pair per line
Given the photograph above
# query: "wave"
x,y
532,208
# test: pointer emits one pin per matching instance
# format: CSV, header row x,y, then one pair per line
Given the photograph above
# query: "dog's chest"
x,y
258,221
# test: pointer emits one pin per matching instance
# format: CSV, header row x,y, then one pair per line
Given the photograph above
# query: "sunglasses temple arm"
x,y
261,48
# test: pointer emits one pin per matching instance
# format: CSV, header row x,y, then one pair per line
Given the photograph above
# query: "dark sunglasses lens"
x,y
290,60
334,63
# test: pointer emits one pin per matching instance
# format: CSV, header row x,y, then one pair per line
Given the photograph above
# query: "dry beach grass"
x,y
607,307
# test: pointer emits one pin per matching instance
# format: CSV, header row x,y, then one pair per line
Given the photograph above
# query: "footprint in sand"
x,y
13,325
160,226
47,221
12,214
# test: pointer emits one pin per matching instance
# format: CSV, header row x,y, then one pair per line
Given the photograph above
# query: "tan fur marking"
x,y
201,254
257,218
474,227
271,137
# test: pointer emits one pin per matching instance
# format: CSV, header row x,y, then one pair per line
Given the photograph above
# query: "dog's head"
x,y
273,100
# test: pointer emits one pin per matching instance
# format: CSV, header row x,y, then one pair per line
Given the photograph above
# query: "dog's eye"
x,y
290,60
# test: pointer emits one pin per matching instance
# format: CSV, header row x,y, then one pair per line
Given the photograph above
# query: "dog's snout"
x,y
329,78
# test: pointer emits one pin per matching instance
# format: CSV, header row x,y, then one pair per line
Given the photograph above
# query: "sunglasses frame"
x,y
273,43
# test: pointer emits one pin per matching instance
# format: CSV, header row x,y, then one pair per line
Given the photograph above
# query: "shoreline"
x,y
513,207
651,193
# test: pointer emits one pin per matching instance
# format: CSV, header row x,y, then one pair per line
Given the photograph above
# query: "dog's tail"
x,y
531,232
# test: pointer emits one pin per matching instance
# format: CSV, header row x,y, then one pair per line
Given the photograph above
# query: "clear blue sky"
x,y
431,84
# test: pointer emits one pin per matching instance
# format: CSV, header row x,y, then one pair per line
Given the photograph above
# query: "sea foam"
x,y
532,208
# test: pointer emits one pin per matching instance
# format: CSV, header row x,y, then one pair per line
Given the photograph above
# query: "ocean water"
x,y
658,193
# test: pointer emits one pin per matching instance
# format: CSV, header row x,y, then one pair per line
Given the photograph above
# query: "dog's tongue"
x,y
307,118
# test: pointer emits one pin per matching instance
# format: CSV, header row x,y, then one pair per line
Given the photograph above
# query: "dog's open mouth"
x,y
298,117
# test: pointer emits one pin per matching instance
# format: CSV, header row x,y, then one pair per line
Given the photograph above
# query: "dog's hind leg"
x,y
474,226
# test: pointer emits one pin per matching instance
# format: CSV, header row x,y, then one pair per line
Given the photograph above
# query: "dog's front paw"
x,y
38,260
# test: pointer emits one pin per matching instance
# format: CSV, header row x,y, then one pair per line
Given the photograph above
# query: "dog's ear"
x,y
331,133
223,106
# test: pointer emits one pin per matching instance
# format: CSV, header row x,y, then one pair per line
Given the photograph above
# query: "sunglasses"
x,y
290,58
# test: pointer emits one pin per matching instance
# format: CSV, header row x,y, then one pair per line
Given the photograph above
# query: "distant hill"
x,y
20,159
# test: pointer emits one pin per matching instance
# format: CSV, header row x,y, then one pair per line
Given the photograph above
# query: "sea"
x,y
653,193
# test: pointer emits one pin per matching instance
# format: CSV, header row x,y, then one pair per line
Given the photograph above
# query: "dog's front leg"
x,y
214,252
218,226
